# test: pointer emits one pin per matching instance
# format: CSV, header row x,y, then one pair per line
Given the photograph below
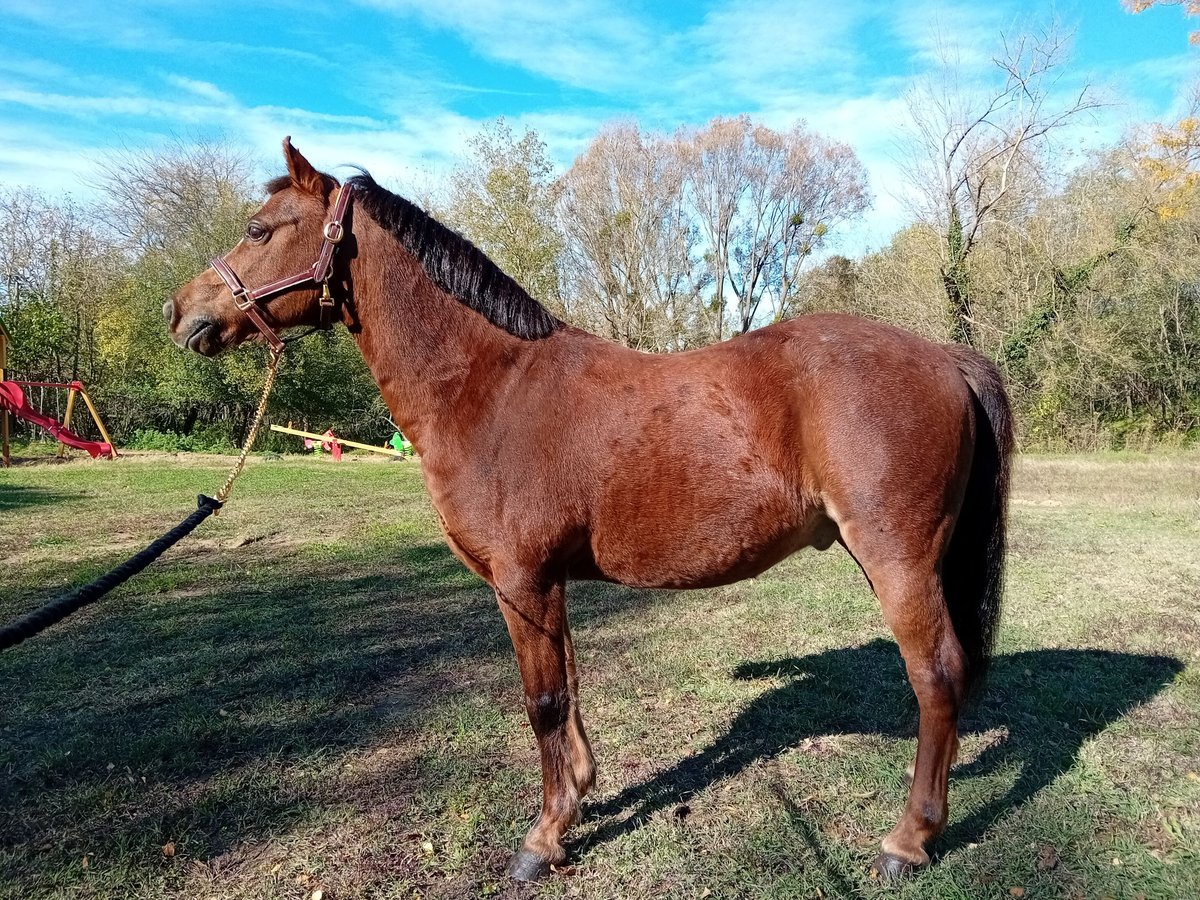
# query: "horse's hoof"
x,y
527,866
888,868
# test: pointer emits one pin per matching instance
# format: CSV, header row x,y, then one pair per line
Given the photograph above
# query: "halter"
x,y
246,299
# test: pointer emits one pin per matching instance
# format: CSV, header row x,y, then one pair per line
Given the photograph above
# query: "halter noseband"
x,y
246,299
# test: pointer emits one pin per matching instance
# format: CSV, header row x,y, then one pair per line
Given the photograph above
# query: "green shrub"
x,y
213,438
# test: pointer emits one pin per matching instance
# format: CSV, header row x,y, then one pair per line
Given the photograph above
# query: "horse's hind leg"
x,y
536,617
910,592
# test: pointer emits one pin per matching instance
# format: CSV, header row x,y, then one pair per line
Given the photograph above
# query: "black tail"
x,y
973,569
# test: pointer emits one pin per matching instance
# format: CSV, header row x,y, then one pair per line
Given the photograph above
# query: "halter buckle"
x,y
334,232
242,299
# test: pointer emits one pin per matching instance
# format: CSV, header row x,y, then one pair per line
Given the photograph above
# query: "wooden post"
x,y
4,438
99,422
62,448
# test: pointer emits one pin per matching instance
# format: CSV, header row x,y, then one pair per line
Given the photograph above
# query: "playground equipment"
x,y
335,442
13,401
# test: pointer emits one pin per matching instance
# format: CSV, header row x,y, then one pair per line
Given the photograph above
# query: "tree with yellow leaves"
x,y
1190,8
1172,161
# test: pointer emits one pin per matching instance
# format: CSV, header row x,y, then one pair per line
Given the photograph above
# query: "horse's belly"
x,y
672,551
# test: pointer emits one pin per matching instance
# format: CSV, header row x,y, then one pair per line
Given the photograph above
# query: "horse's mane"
x,y
455,264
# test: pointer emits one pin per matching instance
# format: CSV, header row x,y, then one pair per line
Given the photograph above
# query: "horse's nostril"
x,y
168,311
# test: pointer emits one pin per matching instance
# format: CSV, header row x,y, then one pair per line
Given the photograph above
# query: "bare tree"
x,y
187,196
628,264
765,202
972,152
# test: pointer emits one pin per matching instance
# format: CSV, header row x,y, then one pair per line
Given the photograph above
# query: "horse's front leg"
x,y
535,613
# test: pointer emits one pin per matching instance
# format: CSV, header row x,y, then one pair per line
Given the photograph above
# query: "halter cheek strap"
x,y
247,299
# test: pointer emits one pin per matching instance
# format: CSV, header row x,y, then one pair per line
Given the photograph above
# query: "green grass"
x,y
311,692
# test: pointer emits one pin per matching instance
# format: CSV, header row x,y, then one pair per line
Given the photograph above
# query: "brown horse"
x,y
551,454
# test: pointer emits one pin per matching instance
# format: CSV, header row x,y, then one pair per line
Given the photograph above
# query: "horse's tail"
x,y
973,568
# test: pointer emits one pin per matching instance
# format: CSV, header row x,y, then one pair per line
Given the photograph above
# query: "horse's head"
x,y
282,239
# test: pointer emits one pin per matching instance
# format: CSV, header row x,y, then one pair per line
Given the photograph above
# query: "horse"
x,y
552,455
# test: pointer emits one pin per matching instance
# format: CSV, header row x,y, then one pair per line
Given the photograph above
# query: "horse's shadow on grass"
x,y
14,497
1045,703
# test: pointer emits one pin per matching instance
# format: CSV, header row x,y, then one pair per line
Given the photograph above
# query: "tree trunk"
x,y
955,281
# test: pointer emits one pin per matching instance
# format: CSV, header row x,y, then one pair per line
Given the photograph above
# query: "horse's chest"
x,y
473,553
462,514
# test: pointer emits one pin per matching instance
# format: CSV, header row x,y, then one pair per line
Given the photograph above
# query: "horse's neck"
x,y
438,363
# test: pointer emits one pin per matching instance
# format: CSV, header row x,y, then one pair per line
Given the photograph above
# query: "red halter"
x,y
246,299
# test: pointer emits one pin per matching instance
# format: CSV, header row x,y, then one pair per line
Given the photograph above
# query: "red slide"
x,y
12,398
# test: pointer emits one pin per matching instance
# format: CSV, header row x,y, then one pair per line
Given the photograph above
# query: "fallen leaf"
x,y
317,894
1047,858
1017,891
84,863
564,870
427,846
168,849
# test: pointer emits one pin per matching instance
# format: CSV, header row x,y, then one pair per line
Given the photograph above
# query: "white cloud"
x,y
581,43
939,30
203,89
756,46
29,157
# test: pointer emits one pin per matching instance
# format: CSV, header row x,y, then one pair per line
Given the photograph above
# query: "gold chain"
x,y
223,494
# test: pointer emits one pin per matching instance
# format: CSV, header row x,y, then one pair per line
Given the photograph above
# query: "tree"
x,y
901,283
628,264
189,200
765,202
502,198
1190,8
56,268
972,153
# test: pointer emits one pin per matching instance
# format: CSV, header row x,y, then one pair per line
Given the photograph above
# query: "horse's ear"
x,y
303,175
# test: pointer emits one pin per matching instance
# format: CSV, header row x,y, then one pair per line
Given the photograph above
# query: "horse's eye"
x,y
255,232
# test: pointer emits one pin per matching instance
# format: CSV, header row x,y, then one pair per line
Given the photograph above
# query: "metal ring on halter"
x,y
242,299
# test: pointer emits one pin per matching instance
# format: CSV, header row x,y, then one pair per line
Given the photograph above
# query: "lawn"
x,y
311,695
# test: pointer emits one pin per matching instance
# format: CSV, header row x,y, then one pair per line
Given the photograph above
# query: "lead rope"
x,y
57,610
272,368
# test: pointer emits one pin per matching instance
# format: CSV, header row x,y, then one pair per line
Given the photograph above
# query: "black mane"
x,y
455,264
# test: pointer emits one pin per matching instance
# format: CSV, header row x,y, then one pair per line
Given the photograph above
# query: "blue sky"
x,y
398,85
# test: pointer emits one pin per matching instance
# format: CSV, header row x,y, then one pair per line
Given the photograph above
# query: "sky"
x,y
399,86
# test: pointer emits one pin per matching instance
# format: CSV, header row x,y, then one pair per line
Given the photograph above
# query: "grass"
x,y
312,694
